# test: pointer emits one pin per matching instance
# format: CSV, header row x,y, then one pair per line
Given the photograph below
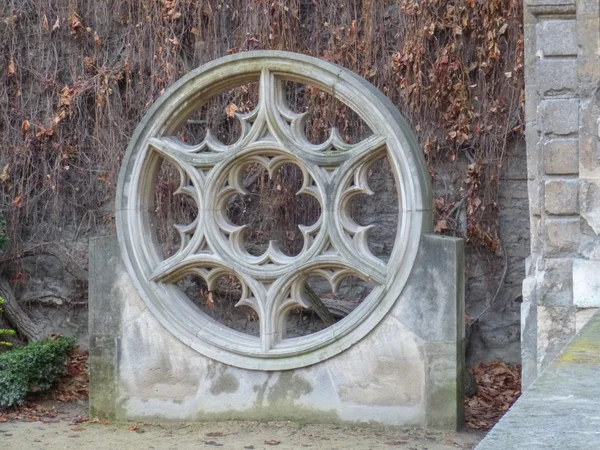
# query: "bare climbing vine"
x,y
76,76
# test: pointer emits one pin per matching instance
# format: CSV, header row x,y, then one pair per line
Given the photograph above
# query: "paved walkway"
x,y
561,409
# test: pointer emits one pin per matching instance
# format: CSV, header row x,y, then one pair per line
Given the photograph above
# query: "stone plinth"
x,y
406,372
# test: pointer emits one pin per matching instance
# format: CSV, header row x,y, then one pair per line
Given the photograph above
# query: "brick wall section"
x,y
563,169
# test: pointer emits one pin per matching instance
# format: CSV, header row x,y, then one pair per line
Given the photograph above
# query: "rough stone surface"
x,y
399,374
556,326
562,236
556,283
560,409
558,37
586,283
590,203
558,77
561,157
562,76
496,333
561,197
559,117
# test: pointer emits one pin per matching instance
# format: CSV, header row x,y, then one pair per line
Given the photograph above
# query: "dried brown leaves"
x,y
444,63
75,384
498,387
30,412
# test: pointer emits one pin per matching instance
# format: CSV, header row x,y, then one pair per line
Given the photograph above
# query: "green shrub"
x,y
4,330
33,368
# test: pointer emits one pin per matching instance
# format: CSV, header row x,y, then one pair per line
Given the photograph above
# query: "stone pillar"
x,y
561,80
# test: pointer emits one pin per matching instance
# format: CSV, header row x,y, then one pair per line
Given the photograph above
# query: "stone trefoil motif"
x,y
273,283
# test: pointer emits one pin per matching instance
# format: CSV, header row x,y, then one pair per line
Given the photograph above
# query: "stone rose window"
x,y
270,281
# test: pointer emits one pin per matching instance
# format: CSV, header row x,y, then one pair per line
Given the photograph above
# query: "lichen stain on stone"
x,y
298,413
289,386
225,383
260,390
585,351
585,348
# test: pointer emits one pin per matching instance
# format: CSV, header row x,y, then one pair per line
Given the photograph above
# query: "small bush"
x,y
3,330
33,368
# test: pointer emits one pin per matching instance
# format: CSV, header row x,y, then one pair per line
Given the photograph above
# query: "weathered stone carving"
x,y
211,172
155,354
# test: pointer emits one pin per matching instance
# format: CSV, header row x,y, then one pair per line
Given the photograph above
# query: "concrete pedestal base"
x,y
406,372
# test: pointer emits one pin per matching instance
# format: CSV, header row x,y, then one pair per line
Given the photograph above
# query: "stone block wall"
x,y
562,100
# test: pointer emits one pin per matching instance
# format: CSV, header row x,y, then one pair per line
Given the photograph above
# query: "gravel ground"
x,y
62,433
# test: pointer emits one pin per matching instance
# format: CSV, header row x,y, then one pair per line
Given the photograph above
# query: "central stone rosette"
x,y
231,182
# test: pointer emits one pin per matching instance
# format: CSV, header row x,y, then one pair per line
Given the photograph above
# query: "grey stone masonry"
x,y
407,372
562,75
561,196
558,77
558,37
561,157
559,117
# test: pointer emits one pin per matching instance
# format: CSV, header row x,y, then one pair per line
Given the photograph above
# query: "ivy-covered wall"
x,y
76,76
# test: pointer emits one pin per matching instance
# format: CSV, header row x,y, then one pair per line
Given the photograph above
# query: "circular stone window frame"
x,y
135,197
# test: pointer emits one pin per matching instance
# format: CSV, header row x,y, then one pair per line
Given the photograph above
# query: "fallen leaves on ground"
x,y
74,385
101,422
498,387
29,412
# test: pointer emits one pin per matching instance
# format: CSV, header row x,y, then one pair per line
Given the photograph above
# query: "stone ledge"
x,y
560,409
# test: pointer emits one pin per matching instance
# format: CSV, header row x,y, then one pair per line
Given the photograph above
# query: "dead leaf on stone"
x,y
231,109
12,68
75,23
25,127
441,226
272,442
215,434
19,201
5,175
101,422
